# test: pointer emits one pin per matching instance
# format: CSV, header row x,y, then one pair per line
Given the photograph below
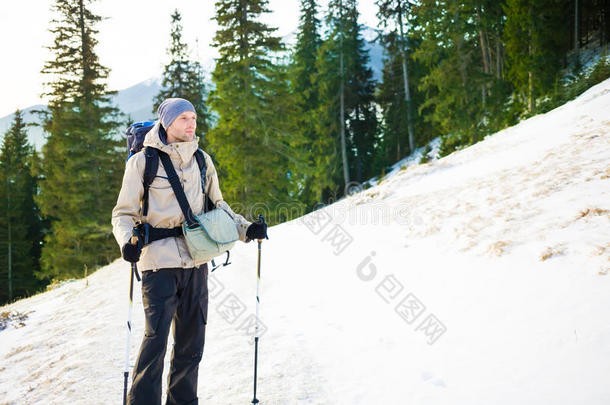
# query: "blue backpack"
x,y
135,142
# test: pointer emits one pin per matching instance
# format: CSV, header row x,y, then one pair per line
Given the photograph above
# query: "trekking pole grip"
x,y
134,269
262,221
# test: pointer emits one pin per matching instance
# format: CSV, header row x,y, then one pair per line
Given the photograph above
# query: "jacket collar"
x,y
178,150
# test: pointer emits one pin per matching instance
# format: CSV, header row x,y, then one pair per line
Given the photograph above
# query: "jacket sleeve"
x,y
213,191
126,212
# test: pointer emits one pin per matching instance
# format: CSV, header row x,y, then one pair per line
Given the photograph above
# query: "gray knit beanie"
x,y
171,108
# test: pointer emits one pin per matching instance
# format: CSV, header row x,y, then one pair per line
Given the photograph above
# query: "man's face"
x,y
183,128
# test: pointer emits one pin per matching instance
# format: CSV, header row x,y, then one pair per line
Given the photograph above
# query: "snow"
x,y
479,278
413,159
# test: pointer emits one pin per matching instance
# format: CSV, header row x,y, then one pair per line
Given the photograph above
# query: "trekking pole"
x,y
258,301
134,271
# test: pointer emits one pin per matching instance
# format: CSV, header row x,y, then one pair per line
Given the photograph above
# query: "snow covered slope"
x,y
480,278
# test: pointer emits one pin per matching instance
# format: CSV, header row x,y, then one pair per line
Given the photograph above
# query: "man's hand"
x,y
131,252
257,230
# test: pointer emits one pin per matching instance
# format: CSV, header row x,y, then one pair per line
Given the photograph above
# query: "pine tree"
x,y
254,137
347,102
495,88
183,78
392,13
391,98
317,147
327,121
82,166
19,218
464,86
482,63
443,49
536,43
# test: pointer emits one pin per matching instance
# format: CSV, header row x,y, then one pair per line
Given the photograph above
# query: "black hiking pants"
x,y
180,295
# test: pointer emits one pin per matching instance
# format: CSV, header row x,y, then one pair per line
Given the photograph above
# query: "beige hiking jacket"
x,y
163,208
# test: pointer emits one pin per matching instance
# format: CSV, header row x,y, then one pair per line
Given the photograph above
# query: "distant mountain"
x,y
137,101
35,133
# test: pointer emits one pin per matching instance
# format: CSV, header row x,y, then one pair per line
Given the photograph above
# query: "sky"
x,y
132,39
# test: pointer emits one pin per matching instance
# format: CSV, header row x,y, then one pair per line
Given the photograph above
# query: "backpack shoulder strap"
x,y
200,159
202,165
207,205
150,172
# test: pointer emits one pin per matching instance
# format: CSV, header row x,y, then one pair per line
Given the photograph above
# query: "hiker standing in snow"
x,y
174,286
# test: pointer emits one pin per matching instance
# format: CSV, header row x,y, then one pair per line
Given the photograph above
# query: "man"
x,y
174,287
